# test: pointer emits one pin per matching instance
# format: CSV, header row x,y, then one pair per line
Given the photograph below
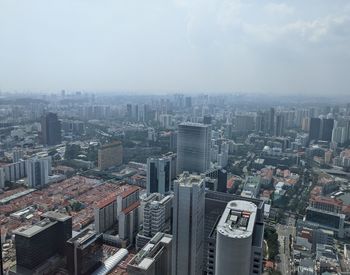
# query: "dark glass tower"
x,y
50,129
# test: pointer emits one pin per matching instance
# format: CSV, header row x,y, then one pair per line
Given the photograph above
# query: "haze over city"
x,y
174,137
211,46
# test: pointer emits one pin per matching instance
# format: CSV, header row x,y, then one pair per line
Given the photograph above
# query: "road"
x,y
286,264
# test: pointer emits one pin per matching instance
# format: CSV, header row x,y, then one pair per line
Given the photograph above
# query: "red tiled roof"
x,y
130,191
131,207
327,200
105,201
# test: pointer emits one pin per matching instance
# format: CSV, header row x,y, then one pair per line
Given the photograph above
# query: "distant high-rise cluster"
x,y
174,184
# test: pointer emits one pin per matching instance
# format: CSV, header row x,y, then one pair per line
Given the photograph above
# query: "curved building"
x,y
234,238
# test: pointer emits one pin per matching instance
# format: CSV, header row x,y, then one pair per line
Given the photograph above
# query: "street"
x,y
284,232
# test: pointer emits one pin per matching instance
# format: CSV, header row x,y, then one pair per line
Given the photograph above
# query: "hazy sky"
x,y
300,46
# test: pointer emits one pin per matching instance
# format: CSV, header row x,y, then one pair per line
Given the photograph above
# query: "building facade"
x,y
110,155
154,258
234,240
51,129
188,224
38,170
193,147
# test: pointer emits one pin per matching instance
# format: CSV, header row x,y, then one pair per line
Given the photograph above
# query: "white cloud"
x,y
279,9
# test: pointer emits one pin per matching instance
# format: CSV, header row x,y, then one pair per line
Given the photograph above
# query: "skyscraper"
x,y
279,125
37,243
234,240
158,175
50,129
38,170
315,128
155,213
193,147
326,129
215,205
84,252
321,129
271,121
154,258
188,224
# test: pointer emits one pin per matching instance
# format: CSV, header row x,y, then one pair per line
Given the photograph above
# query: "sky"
x,y
212,46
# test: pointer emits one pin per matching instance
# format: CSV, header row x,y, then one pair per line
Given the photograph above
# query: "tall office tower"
x,y
134,112
154,258
173,141
39,242
279,125
327,125
159,175
220,175
84,252
339,135
188,224
110,155
51,129
193,147
260,122
315,128
38,170
235,238
129,111
271,121
215,205
305,124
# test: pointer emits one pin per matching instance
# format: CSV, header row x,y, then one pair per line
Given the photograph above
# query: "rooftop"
x,y
194,124
146,255
238,219
187,179
112,144
84,237
56,216
325,200
29,232
106,201
130,191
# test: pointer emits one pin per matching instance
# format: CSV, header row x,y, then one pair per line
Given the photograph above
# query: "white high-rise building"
x,y
188,224
193,147
157,215
235,252
339,135
38,170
